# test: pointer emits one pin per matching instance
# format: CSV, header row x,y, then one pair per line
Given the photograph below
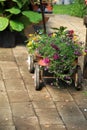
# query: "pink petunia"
x,y
46,60
85,51
55,56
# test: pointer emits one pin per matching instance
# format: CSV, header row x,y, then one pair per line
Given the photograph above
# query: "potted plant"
x,y
14,17
60,51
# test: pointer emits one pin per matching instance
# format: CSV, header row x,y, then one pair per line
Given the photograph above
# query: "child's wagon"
x,y
56,56
42,73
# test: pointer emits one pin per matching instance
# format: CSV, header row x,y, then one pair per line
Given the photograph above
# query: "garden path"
x,y
24,108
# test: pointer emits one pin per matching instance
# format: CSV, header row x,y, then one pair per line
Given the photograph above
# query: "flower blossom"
x,y
70,33
85,51
77,53
29,43
55,56
46,60
54,46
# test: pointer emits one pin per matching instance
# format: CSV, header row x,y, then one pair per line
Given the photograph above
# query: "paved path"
x,y
24,108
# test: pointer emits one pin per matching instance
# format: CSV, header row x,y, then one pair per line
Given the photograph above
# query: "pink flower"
x,y
55,56
85,51
46,60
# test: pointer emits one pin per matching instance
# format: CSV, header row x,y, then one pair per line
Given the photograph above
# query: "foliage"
x,y
77,8
60,51
62,9
15,14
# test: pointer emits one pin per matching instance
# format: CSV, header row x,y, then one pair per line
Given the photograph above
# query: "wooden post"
x,y
85,57
43,17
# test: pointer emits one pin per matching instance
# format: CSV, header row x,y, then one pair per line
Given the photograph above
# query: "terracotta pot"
x,y
35,7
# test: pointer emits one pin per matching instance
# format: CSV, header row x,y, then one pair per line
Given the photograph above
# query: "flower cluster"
x,y
32,43
60,51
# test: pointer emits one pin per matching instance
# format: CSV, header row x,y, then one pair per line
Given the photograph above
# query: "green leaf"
x,y
16,25
19,3
1,11
14,10
3,23
33,16
2,0
24,20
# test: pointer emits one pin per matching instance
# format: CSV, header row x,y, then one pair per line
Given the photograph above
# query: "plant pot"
x,y
35,7
7,39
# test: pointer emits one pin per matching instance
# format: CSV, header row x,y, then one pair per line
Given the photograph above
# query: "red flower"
x,y
70,33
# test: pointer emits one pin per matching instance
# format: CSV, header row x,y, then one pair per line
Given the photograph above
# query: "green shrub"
x,y
15,15
78,8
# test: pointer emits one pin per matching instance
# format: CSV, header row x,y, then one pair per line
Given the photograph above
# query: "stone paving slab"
x,y
29,123
6,55
7,127
4,102
14,84
22,109
7,64
53,127
72,116
5,117
2,87
11,73
25,72
47,104
59,94
18,96
48,116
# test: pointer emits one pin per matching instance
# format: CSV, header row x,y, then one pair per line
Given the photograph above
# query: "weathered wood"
x,y
43,18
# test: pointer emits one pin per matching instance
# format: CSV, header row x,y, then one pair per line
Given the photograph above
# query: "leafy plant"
x,y
78,8
14,14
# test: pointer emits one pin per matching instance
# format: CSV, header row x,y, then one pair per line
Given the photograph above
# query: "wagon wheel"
x,y
37,77
31,63
78,78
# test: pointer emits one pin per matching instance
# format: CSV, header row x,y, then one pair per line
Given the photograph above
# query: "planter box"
x,y
7,39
